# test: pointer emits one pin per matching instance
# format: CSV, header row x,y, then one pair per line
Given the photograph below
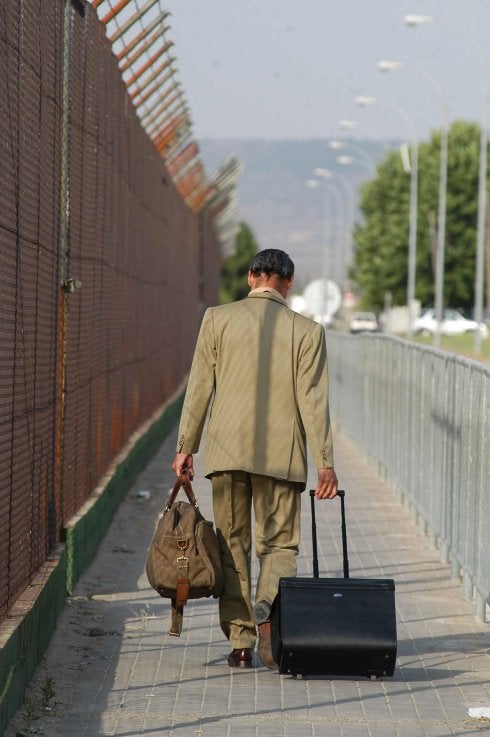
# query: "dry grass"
x,y
464,345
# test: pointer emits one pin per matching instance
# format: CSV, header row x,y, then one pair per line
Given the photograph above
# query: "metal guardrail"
x,y
423,416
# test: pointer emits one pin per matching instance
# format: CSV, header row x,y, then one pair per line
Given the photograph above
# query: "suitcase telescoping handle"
x,y
341,495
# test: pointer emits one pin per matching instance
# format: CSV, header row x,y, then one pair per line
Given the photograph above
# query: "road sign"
x,y
322,297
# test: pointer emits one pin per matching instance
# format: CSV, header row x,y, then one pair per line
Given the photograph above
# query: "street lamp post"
x,y
350,199
344,160
328,267
414,20
388,66
350,125
364,101
314,184
363,155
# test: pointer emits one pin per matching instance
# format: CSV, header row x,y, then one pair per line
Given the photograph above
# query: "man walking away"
x,y
263,368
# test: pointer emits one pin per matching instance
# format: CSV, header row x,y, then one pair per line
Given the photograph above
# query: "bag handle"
x,y
184,482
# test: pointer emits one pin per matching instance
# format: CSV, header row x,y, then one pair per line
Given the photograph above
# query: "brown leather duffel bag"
x,y
184,560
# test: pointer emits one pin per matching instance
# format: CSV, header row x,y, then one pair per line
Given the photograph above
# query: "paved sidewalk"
x,y
117,672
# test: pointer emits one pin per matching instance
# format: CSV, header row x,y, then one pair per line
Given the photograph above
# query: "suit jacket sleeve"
x,y
200,388
312,397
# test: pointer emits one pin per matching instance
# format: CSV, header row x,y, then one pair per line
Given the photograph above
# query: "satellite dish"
x,y
322,298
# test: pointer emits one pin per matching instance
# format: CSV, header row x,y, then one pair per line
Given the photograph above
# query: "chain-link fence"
x,y
104,272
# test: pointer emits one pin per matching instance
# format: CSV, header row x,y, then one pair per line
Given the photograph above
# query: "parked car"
x,y
453,323
363,322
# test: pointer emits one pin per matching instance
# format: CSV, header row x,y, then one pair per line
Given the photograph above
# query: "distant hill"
x,y
283,212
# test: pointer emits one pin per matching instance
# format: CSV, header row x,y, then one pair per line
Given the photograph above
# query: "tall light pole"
x,y
350,199
345,160
333,270
364,101
363,155
350,125
314,184
389,66
414,20
327,266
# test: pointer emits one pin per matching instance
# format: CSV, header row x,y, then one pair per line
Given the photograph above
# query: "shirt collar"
x,y
276,294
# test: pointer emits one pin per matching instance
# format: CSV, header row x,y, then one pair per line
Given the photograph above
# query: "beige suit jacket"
x,y
264,368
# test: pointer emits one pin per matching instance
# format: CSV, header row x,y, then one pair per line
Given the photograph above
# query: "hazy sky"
x,y
290,69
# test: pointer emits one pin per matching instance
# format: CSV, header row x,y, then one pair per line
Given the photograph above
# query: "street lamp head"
x,y
337,145
347,125
387,65
325,173
413,20
365,100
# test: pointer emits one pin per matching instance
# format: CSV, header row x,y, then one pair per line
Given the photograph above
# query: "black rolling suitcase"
x,y
334,626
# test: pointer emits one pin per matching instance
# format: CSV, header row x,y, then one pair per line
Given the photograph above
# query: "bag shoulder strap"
x,y
182,582
181,482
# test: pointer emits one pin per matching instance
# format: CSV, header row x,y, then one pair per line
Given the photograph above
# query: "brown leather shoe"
x,y
265,646
240,658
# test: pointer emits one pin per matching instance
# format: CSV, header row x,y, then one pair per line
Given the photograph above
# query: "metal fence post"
x,y
63,263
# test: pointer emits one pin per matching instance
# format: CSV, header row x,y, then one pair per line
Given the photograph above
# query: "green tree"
x,y
381,241
234,271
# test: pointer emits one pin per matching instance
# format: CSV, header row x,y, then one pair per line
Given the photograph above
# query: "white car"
x,y
363,322
453,323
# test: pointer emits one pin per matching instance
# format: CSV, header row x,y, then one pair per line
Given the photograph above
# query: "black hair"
x,y
272,261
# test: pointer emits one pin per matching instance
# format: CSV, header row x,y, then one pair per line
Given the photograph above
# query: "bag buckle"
x,y
182,546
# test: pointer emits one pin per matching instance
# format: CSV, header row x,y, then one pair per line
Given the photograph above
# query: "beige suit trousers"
x,y
276,506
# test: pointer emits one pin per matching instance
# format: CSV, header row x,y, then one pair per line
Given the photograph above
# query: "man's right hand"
x,y
183,462
327,485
